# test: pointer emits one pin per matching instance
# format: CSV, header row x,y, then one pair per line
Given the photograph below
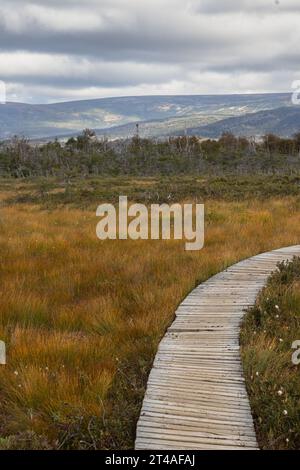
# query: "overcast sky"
x,y
53,50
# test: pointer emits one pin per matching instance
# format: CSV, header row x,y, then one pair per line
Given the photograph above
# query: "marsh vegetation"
x,y
82,318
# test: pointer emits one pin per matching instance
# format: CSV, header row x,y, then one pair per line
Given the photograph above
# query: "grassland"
x,y
82,318
273,381
88,192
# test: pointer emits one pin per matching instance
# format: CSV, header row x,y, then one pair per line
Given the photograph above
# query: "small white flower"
x,y
16,372
287,439
285,412
257,374
277,316
277,307
280,392
280,340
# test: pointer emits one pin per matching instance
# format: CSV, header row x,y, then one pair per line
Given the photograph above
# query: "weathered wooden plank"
x,y
196,396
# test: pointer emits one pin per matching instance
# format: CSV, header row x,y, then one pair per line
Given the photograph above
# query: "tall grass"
x,y
82,318
273,381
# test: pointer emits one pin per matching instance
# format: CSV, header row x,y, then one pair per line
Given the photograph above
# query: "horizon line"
x,y
159,95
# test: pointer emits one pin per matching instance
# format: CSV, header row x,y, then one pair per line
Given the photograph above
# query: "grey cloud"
x,y
152,42
246,6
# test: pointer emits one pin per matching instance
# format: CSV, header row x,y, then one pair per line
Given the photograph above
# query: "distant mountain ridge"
x,y
284,122
158,115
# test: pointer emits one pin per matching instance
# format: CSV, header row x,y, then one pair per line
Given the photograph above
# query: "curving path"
x,y
196,396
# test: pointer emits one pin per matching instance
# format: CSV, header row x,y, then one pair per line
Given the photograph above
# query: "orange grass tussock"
x,y
82,318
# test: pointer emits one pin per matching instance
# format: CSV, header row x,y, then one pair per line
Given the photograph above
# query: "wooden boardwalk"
x,y
196,396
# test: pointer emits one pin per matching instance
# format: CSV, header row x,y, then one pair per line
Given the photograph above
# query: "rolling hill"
x,y
283,122
158,115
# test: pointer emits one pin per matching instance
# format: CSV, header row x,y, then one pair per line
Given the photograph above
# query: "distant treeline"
x,y
86,155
